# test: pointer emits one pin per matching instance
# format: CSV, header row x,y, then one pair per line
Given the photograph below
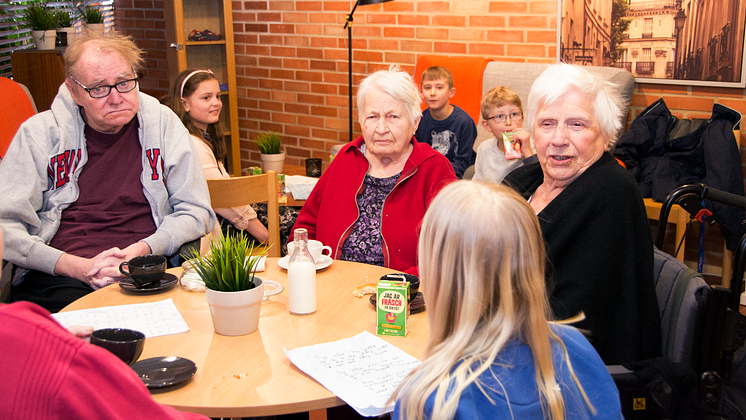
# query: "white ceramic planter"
x,y
44,40
272,162
97,28
236,313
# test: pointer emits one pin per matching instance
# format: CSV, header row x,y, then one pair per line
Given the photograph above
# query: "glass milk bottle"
x,y
301,276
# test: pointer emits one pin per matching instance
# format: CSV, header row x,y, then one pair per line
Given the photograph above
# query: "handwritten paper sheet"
x,y
300,186
363,370
152,319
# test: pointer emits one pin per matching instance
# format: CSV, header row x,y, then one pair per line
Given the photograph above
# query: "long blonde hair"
x,y
481,258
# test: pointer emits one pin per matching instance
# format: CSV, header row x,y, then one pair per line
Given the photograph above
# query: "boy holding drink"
x,y
502,115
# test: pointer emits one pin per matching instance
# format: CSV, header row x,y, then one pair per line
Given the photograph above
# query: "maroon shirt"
x,y
111,210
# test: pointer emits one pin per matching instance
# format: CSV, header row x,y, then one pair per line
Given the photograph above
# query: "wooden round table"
x,y
248,376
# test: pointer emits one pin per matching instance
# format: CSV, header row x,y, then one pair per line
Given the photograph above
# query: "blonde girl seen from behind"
x,y
492,351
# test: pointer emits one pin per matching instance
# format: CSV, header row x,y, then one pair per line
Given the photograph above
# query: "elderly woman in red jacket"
x,y
369,203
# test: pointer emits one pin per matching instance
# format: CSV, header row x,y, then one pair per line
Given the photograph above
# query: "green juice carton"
x,y
282,199
392,308
251,170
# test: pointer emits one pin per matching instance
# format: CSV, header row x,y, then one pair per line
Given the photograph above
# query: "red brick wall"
x,y
292,56
143,20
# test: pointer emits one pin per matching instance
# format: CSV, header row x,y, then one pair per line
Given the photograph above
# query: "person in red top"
x,y
50,373
370,201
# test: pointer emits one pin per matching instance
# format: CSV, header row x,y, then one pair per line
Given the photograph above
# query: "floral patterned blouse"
x,y
364,244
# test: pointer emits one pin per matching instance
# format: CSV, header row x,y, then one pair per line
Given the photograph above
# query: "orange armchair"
x,y
467,79
16,108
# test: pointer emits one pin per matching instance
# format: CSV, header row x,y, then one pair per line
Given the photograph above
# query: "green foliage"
x,y
619,26
230,265
269,143
40,17
92,14
62,18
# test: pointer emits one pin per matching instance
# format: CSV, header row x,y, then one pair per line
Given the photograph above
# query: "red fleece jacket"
x,y
49,373
331,210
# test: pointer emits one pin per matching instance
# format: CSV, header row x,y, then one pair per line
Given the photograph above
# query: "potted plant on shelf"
x,y
270,147
65,29
232,289
94,19
42,22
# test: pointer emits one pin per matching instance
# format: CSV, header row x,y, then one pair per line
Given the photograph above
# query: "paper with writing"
x,y
363,370
152,319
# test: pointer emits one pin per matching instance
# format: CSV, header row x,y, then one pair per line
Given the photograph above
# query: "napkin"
x,y
300,186
191,281
260,264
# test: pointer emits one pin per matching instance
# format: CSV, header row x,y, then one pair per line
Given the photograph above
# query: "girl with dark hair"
x,y
195,98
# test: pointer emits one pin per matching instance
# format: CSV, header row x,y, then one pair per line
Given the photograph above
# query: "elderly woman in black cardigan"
x,y
598,239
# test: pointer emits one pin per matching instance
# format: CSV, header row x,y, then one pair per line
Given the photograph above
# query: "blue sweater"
x,y
453,137
514,367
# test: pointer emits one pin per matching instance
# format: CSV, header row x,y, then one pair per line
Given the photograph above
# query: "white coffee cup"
x,y
315,247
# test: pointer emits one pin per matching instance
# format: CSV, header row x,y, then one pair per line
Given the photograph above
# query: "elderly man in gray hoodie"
x,y
106,175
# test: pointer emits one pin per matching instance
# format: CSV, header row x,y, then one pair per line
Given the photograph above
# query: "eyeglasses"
x,y
104,90
501,117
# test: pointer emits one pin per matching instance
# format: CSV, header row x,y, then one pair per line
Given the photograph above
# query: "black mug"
x,y
145,270
313,167
125,344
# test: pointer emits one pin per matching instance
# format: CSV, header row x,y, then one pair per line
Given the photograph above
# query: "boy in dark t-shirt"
x,y
445,127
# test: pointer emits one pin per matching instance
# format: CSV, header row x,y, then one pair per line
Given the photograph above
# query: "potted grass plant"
x,y
94,19
65,29
270,149
40,18
232,289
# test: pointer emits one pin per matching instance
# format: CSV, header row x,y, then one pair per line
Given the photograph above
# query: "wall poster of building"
x,y
685,42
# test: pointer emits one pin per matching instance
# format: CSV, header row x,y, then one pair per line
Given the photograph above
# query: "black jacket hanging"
x,y
663,152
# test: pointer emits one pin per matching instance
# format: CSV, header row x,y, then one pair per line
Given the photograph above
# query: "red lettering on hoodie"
x,y
153,155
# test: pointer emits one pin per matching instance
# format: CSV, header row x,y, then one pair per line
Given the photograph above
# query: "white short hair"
x,y
395,82
556,81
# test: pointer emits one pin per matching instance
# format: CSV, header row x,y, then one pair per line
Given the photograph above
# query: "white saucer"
x,y
324,262
272,288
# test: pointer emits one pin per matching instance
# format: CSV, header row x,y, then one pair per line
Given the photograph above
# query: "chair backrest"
x,y
467,79
683,296
245,190
15,108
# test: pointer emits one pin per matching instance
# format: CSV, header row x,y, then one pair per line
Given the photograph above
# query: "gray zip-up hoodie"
x,y
38,180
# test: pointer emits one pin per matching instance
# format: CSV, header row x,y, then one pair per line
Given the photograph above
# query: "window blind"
x,y
15,35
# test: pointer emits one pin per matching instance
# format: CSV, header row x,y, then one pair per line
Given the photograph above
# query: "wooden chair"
x,y
245,190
